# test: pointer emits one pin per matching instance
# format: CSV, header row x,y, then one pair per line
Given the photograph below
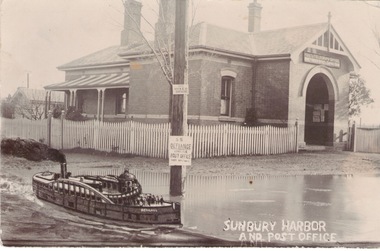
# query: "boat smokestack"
x,y
63,170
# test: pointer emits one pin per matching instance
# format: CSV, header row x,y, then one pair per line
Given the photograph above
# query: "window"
x,y
122,102
319,113
225,98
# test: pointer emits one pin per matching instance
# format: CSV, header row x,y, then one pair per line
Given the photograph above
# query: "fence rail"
x,y
152,139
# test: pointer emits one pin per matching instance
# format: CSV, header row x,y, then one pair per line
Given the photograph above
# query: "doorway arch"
x,y
319,110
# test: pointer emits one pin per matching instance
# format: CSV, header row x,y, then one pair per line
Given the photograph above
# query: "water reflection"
x,y
349,205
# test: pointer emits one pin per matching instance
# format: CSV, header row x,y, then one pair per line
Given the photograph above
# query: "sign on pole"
x,y
180,150
180,89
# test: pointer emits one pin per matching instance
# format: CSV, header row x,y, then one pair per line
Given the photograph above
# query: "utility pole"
x,y
179,104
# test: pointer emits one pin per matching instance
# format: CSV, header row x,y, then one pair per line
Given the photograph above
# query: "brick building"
x,y
262,77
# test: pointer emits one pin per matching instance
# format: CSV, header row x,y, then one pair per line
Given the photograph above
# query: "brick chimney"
x,y
132,20
166,21
254,16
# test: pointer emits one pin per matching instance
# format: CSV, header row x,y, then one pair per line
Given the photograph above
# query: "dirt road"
x,y
304,163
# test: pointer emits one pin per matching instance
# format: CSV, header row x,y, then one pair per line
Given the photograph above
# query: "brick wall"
x,y
210,91
149,91
271,90
195,82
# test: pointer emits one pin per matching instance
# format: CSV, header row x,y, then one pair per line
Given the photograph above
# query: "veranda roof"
x,y
110,80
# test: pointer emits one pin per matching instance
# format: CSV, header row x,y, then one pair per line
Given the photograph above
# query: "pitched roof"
x,y
38,95
271,42
284,41
106,56
264,43
213,36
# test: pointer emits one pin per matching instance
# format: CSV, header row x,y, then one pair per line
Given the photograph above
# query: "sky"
x,y
37,36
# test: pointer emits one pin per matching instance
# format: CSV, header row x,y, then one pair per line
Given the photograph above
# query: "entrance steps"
x,y
313,148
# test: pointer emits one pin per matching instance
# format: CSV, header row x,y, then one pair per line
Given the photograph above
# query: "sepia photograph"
x,y
190,123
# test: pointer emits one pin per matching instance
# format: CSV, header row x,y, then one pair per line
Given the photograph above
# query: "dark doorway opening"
x,y
319,117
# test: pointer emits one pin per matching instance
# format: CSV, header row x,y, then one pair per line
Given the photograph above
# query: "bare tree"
x,y
162,47
375,31
30,109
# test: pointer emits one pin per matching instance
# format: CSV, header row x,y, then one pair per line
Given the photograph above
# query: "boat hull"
x,y
157,215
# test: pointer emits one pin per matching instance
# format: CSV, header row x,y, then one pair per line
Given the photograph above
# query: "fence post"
x,y
225,140
62,120
132,138
354,136
49,128
348,147
297,135
95,126
266,143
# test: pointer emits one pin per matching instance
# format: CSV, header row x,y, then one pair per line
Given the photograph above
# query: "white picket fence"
x,y
151,140
24,128
235,140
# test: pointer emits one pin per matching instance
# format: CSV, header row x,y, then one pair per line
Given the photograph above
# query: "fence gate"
x,y
367,140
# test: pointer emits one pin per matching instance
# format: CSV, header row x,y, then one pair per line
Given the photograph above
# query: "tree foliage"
x,y
359,95
57,111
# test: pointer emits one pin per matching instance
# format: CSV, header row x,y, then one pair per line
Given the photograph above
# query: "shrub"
x,y
74,115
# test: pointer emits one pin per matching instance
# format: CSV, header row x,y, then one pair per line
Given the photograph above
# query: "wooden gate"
x,y
367,139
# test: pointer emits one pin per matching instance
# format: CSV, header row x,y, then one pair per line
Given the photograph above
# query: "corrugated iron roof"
x,y
93,82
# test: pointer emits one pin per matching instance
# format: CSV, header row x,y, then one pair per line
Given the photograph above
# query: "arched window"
x,y
226,96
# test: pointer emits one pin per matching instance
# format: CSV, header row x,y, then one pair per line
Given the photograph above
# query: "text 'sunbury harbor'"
x,y
284,230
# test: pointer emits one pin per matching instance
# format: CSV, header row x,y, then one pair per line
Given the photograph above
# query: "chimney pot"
x,y
254,16
164,30
132,20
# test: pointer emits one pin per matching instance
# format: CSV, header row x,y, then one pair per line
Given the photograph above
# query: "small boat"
x,y
111,197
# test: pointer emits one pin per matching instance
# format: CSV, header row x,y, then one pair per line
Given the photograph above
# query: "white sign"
x,y
180,150
180,89
319,59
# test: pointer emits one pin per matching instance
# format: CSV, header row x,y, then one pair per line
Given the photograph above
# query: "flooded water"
x,y
241,209
301,209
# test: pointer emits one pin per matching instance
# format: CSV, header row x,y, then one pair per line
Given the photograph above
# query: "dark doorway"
x,y
319,117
